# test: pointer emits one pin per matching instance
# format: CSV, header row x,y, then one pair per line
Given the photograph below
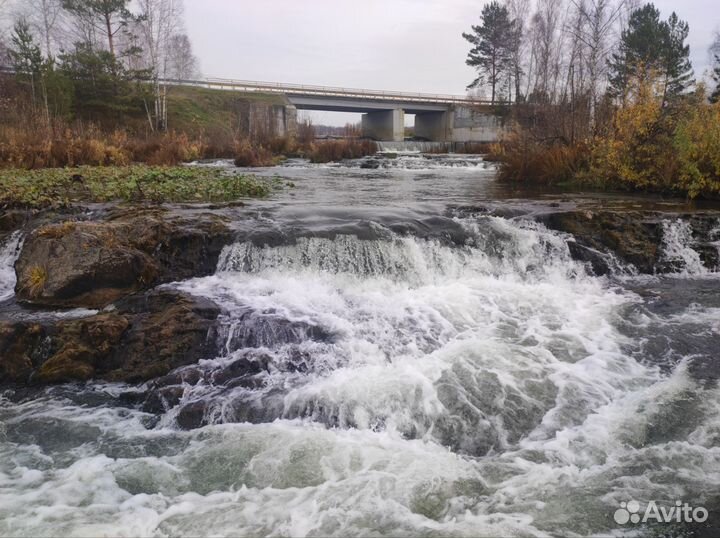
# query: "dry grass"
x,y
252,156
526,160
36,280
56,231
338,150
81,145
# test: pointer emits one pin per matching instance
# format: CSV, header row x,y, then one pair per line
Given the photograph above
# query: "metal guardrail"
x,y
320,91
325,91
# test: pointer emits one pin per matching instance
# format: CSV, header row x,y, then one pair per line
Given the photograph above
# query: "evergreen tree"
x,y
104,88
678,70
26,58
652,50
106,16
491,52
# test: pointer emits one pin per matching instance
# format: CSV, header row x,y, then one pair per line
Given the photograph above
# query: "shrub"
x,y
697,142
337,150
637,152
250,155
527,160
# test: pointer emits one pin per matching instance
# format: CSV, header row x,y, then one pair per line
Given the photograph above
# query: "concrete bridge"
x,y
438,117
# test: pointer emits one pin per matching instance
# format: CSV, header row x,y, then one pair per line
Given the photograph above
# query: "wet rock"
x,y
633,237
192,415
144,337
92,264
23,346
597,261
258,329
370,164
12,219
167,392
168,329
161,400
81,348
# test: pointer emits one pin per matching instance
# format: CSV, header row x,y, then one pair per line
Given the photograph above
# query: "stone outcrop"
x,y
633,237
92,264
144,337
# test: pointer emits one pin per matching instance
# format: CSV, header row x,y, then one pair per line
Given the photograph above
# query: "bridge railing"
x,y
308,89
329,91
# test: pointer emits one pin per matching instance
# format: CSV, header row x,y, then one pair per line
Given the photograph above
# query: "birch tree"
x,y
598,22
45,18
519,11
159,20
546,47
182,63
715,52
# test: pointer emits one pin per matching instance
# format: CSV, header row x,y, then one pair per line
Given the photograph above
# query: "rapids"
x,y
422,370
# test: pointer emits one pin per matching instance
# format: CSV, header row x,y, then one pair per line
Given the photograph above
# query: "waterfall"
x,y
9,252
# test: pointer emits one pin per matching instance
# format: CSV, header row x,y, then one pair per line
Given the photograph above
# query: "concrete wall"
x,y
471,125
388,125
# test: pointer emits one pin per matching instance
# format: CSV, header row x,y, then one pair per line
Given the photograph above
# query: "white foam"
x,y
677,248
9,253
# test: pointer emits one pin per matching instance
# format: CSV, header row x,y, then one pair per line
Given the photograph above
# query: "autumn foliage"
x,y
646,145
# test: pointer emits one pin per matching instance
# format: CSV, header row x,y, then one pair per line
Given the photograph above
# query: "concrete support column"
x,y
385,125
291,125
434,126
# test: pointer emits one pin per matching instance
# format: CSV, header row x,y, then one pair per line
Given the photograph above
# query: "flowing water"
x,y
415,369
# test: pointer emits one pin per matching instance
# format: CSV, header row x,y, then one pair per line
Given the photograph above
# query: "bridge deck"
x,y
329,91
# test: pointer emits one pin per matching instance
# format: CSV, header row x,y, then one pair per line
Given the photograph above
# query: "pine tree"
x,y
678,69
26,58
491,53
650,50
107,16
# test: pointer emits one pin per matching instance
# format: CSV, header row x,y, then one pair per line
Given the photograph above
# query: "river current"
x,y
428,368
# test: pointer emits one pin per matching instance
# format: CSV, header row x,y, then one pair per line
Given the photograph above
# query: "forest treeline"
x,y
604,93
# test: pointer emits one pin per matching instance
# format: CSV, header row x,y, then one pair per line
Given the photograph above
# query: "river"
x,y
425,367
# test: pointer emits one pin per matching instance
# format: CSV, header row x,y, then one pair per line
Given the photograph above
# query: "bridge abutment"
x,y
475,124
387,125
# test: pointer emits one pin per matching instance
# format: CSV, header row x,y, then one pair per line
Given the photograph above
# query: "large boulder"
x,y
92,264
142,338
633,237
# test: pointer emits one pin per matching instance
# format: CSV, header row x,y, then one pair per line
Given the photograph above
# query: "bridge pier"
x,y
434,126
386,125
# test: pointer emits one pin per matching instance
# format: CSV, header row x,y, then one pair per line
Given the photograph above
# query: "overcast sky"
x,y
410,45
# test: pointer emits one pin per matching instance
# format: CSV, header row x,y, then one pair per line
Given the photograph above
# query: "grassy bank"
x,y
53,187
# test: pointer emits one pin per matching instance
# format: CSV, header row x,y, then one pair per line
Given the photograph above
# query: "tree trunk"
x,y
108,26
